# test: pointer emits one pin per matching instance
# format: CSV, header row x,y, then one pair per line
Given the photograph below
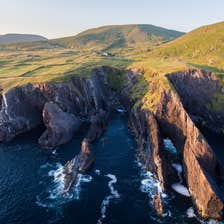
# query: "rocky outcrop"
x,y
150,143
97,125
202,170
20,111
79,164
202,96
204,174
21,107
61,126
158,204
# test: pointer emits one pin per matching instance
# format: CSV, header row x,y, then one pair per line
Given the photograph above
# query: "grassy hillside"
x,y
21,67
203,48
121,36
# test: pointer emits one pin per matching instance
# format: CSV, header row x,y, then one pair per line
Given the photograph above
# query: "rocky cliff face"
x,y
61,126
21,107
202,95
62,107
151,150
204,174
202,170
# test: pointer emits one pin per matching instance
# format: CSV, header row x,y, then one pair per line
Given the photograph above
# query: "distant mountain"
x,y
118,36
17,38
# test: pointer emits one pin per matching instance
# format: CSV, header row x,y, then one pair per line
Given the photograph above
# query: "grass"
x,y
108,38
20,67
135,47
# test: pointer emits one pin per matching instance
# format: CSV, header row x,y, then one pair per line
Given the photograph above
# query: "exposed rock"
x,y
21,107
158,204
20,111
81,163
202,170
202,95
60,125
97,125
150,143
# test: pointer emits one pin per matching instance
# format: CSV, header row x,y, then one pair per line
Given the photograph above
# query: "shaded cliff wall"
x,y
203,172
21,107
202,95
151,149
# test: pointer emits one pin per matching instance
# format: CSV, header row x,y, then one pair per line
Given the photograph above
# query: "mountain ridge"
x,y
11,38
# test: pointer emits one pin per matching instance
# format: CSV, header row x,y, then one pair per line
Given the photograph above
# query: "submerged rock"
x,y
181,189
60,125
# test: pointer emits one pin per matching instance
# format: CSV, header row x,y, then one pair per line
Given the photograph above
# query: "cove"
x,y
116,190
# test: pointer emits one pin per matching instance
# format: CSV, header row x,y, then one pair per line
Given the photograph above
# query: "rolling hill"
x,y
118,36
202,47
17,38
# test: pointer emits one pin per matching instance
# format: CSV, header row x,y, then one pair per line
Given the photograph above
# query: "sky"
x,y
59,18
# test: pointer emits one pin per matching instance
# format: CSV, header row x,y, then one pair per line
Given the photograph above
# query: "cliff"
x,y
202,170
202,95
151,149
167,109
24,108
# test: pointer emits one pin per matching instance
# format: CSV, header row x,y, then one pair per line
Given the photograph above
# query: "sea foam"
x,y
113,195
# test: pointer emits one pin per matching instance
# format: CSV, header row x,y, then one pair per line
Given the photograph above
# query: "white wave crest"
x,y
55,193
181,189
114,195
97,172
149,184
190,213
169,146
179,170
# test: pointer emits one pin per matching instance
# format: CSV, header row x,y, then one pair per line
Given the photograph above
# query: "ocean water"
x,y
116,190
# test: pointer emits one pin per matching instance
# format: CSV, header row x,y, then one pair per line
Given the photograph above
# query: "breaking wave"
x,y
53,195
113,195
169,146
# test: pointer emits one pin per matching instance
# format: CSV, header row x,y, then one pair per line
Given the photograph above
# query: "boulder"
x,y
60,125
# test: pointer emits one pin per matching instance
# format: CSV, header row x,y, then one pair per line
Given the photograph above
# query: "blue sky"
x,y
57,18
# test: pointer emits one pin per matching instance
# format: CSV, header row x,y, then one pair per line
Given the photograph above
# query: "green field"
x,y
150,49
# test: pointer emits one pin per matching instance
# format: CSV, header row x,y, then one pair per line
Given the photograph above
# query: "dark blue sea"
x,y
117,190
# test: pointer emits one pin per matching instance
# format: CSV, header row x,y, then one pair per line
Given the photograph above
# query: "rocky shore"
x,y
64,107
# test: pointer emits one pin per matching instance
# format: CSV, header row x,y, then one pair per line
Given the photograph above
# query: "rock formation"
x,y
202,96
21,107
60,126
150,143
79,164
66,105
158,204
202,170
